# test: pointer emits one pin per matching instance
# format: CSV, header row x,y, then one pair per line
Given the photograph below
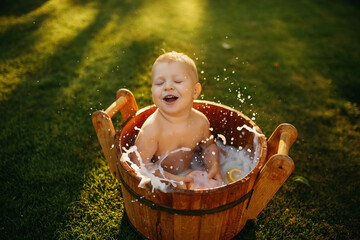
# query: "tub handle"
x,y
281,140
126,104
276,170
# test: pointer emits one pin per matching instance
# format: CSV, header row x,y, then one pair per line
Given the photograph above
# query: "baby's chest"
x,y
173,139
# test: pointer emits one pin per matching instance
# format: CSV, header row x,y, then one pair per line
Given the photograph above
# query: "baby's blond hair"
x,y
171,57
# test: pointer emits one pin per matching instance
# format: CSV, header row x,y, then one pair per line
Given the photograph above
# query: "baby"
x,y
175,130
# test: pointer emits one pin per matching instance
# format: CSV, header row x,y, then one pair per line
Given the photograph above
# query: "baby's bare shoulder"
x,y
202,120
151,127
151,121
204,126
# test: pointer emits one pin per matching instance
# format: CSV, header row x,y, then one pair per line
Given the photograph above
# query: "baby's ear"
x,y
197,90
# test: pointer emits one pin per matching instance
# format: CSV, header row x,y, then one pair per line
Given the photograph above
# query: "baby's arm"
x,y
210,155
180,180
146,143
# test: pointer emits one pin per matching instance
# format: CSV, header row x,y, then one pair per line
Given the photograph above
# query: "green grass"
x,y
62,60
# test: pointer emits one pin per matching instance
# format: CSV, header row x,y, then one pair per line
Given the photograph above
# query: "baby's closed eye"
x,y
159,83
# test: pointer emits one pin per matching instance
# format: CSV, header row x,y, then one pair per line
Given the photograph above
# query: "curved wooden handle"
x,y
284,143
125,102
278,167
281,140
271,178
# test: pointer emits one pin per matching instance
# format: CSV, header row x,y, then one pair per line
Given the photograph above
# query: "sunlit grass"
x,y
46,28
60,61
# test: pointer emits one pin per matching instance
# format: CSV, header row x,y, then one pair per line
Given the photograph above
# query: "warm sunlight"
x,y
54,24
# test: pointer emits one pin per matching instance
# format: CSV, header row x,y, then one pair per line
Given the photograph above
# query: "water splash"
x,y
146,171
244,158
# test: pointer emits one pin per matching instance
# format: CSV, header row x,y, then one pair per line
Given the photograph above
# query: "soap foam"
x,y
244,158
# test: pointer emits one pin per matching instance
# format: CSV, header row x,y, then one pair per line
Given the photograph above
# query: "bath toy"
x,y
216,213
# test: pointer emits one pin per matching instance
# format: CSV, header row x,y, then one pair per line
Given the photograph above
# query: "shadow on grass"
x,y
19,7
248,232
128,230
14,38
314,87
48,143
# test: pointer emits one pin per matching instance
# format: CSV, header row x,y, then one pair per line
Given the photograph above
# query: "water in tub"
x,y
242,158
231,157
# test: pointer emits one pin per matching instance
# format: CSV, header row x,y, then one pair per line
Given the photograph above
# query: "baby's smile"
x,y
170,98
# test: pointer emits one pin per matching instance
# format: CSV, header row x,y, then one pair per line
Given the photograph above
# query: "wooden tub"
x,y
218,213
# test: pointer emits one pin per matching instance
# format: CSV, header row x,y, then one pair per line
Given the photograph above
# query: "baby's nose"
x,y
169,85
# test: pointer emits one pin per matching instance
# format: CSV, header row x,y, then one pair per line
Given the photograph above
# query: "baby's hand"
x,y
183,181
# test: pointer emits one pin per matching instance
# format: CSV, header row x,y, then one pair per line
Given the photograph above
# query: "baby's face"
x,y
173,87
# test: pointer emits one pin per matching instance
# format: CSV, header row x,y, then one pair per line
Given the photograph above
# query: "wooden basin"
x,y
217,213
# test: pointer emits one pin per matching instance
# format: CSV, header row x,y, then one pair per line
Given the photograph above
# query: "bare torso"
x,y
177,144
172,143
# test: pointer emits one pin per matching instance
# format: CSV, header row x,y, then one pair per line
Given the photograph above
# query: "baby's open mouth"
x,y
170,98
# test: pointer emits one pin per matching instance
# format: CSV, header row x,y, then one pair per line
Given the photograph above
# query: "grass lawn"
x,y
288,61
